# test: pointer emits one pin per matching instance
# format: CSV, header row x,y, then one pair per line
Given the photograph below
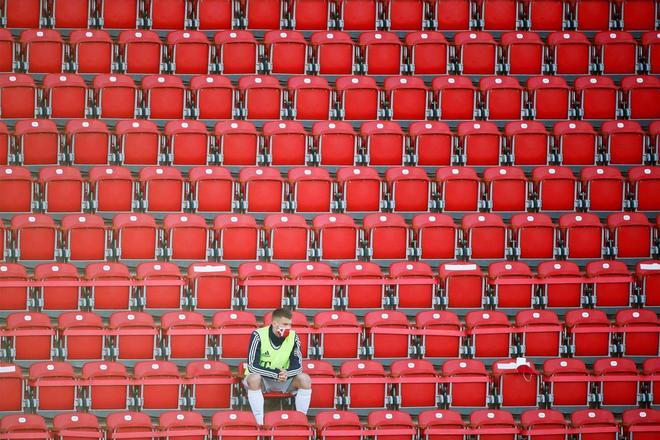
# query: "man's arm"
x,y
254,355
295,360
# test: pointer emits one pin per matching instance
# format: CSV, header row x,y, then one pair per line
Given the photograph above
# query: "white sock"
x,y
303,397
256,399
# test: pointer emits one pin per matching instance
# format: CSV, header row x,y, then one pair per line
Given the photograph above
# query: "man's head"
x,y
281,322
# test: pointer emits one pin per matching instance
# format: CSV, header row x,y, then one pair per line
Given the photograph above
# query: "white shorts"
x,y
270,385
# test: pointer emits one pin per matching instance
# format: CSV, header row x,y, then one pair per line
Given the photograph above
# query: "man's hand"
x,y
282,376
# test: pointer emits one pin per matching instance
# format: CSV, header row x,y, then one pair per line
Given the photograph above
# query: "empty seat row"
x,y
329,237
308,98
329,53
333,14
358,286
384,335
63,189
409,383
635,423
328,143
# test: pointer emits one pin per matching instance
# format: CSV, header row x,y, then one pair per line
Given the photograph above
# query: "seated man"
x,y
275,365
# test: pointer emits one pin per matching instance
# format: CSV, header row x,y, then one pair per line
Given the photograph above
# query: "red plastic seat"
x,y
23,13
188,142
237,51
641,424
43,49
187,237
34,237
524,52
516,387
502,97
288,421
161,296
62,189
617,392
82,335
496,340
13,298
428,52
485,235
413,296
535,421
141,50
18,186
112,189
361,189
312,15
433,424
163,189
81,424
210,395
158,396
362,296
456,97
163,96
212,285
476,53
436,236
459,188
589,331
238,142
182,345
556,188
387,345
337,236
166,14
650,48
572,387
409,188
33,336
643,182
506,189
624,142
332,420
287,237
11,378
467,382
116,96
241,324
263,189
88,141
286,142
23,424
92,51
432,143
405,14
561,294
37,141
261,297
18,96
310,97
496,419
358,15
438,345
340,335
128,422
190,51
480,142
384,142
651,367
54,397
597,97
637,326
227,422
312,297
237,236
511,296
382,52
620,48
534,234
399,422
108,297
286,51
576,142
583,235
408,97
333,51
463,284
263,14
541,332
311,189
213,96
84,237
641,92
358,97
135,236
365,395
550,97
261,96
632,234
610,294
570,52
593,14
599,180
387,236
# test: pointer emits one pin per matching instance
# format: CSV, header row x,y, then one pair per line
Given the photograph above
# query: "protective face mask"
x,y
282,332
